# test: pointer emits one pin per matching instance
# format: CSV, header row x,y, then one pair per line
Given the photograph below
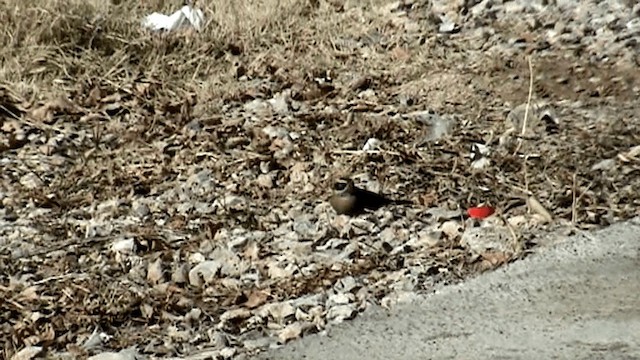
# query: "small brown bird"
x,y
349,199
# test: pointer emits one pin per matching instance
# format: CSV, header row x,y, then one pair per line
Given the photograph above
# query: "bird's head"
x,y
343,185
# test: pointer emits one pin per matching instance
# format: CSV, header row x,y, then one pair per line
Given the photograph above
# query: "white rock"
x,y
338,314
27,353
452,228
31,181
279,103
196,258
204,272
125,354
447,26
606,164
235,314
123,246
290,332
340,299
304,227
276,132
482,239
281,311
228,352
154,271
258,106
180,274
348,284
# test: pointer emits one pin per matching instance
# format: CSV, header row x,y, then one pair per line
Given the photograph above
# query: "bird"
x,y
349,199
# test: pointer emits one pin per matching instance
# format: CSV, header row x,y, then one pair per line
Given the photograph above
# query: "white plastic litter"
x,y
185,17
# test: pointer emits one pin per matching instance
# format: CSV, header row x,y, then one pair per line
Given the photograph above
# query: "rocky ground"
x,y
164,195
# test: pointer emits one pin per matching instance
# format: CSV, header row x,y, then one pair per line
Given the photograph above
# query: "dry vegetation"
x,y
96,112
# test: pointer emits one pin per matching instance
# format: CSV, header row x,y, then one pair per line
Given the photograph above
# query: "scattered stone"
x,y
27,353
108,188
154,272
125,354
490,238
340,313
204,272
290,332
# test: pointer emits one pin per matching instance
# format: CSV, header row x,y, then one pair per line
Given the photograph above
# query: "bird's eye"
x,y
340,185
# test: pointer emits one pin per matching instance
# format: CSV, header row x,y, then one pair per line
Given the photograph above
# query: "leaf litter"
x,y
164,195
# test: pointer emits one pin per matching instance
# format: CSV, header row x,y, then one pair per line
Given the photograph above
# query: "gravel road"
x,y
577,299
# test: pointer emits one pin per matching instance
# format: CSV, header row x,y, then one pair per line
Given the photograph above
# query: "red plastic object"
x,y
480,212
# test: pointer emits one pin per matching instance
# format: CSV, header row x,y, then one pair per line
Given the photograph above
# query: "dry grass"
x,y
71,43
